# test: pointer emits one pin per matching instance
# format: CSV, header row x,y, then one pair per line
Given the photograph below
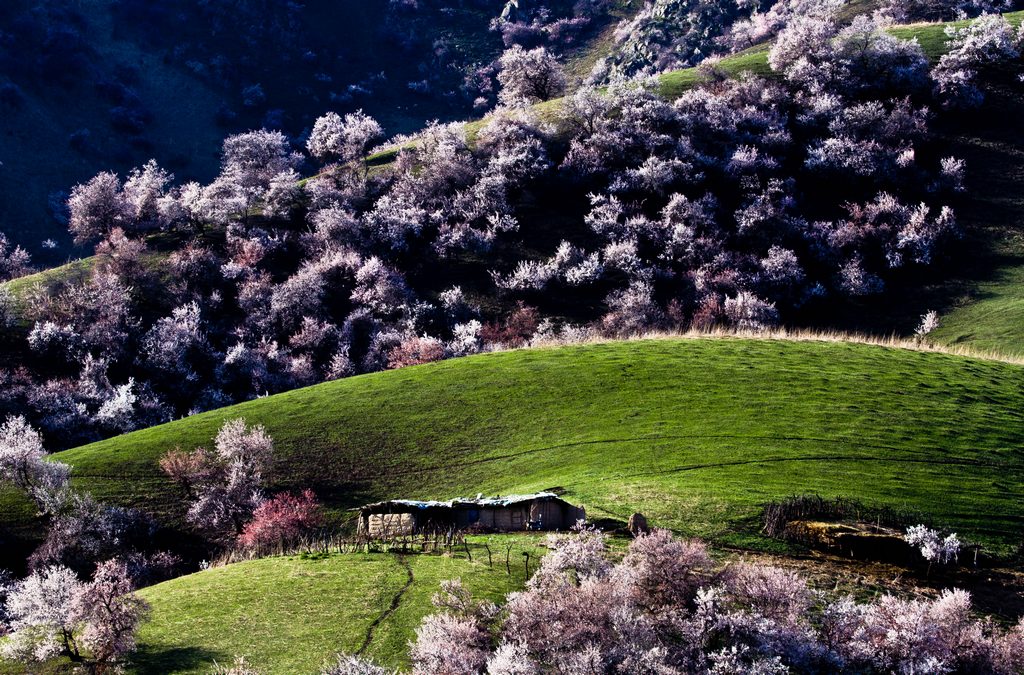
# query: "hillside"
x,y
984,307
139,94
694,433
979,292
293,614
376,599
770,314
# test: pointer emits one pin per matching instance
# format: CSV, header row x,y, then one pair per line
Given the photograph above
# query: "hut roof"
x,y
507,500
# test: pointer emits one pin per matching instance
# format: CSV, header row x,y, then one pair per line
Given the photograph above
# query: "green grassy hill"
x,y
291,615
694,433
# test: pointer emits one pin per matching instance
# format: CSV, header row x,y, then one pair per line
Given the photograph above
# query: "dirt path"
x,y
395,602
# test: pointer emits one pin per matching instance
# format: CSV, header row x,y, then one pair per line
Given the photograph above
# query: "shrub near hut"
x,y
282,520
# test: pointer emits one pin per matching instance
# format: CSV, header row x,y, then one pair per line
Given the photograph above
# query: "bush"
x,y
662,610
282,520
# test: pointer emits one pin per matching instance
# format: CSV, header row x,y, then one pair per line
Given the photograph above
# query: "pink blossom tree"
x,y
111,614
282,519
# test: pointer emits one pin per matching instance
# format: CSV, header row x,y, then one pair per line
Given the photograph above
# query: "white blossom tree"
x,y
43,617
982,43
14,262
53,613
343,139
96,207
23,463
528,76
226,498
933,547
145,195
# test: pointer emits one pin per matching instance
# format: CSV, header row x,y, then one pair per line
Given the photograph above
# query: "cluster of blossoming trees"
x,y
224,490
53,612
678,33
662,609
740,203
665,608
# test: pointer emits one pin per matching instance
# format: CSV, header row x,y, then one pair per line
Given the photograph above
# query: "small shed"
x,y
540,511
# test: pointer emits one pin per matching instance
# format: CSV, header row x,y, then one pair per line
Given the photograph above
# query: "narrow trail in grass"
x,y
395,602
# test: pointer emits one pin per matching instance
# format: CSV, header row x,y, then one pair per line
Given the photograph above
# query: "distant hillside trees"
x,y
529,76
668,34
14,262
142,204
944,10
744,202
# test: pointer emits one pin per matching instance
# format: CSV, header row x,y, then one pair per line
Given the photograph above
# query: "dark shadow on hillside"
x,y
153,660
988,214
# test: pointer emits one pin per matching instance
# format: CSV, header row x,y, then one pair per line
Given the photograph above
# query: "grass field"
x,y
991,316
69,272
694,433
292,614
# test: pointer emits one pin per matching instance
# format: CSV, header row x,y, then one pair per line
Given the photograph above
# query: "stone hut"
x,y
512,513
